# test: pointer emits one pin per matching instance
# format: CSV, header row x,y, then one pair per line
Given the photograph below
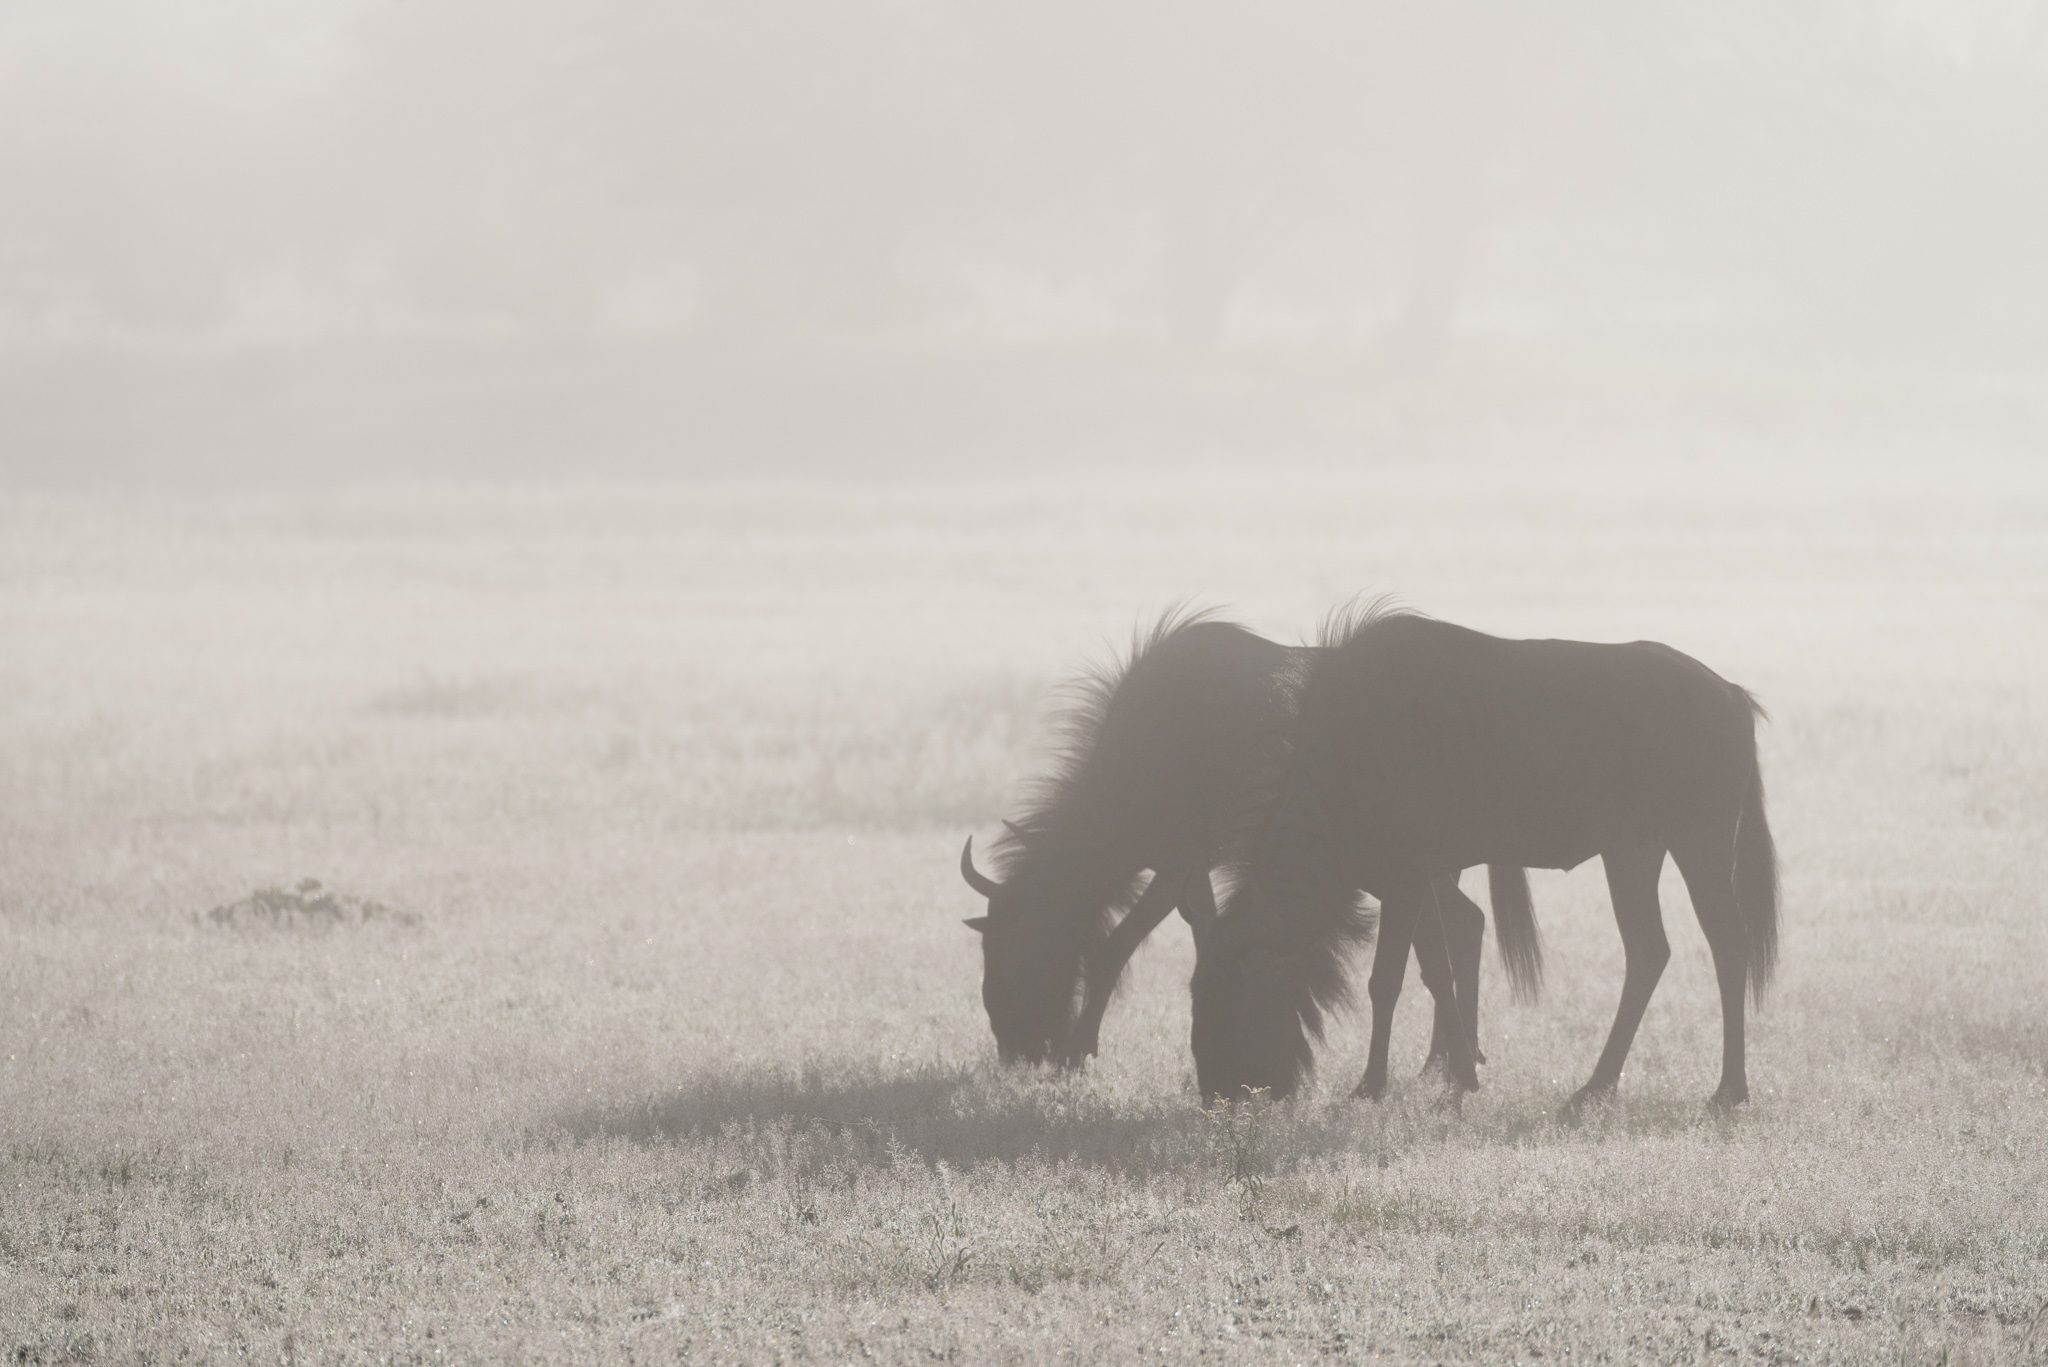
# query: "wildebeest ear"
x,y
977,924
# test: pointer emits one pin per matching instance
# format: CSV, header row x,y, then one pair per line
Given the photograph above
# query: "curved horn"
x,y
976,879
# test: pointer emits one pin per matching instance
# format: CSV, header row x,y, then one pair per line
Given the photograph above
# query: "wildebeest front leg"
x,y
1105,962
1464,935
1632,883
1389,966
1198,903
1433,957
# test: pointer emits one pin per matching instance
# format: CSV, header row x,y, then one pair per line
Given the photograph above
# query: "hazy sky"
x,y
1401,178
594,164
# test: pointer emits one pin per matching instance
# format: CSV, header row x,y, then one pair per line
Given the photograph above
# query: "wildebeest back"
x,y
1460,748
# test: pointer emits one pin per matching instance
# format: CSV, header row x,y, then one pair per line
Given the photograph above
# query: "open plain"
x,y
633,1019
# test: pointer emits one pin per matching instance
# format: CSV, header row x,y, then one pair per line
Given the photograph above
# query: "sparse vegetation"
x,y
638,1022
1239,1135
305,904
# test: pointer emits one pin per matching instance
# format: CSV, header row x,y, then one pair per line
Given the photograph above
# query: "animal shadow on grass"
x,y
967,1115
958,1115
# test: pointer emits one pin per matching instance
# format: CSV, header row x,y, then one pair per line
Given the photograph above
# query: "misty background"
x,y
289,241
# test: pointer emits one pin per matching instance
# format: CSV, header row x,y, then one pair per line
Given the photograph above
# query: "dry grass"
x,y
666,1042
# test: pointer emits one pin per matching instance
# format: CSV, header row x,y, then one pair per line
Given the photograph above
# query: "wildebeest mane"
x,y
1277,777
1282,779
1081,707
1278,961
1514,918
1348,621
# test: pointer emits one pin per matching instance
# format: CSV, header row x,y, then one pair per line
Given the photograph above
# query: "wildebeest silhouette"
x,y
1421,747
1159,758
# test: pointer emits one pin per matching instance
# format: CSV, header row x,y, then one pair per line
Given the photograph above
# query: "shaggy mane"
x,y
1341,626
1348,621
1082,705
1277,962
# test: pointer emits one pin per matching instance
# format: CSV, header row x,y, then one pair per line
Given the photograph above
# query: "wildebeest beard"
x,y
1265,983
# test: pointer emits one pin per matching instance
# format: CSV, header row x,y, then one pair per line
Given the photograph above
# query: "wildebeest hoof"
x,y
1441,1064
1574,1111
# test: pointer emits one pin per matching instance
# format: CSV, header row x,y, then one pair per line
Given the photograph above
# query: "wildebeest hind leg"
x,y
1709,870
1106,960
1464,935
1389,966
1632,883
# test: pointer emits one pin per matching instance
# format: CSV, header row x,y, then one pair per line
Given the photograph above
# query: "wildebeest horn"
x,y
976,879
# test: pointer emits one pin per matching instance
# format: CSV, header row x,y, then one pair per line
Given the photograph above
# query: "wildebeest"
x,y
1160,756
1422,747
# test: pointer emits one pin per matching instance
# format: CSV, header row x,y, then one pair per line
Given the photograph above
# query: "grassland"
x,y
653,1035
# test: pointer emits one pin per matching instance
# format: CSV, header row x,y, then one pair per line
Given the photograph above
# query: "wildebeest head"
x,y
1258,1003
1252,1028
1030,969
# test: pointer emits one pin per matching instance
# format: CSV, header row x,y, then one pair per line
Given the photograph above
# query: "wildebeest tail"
x,y
1514,924
1756,879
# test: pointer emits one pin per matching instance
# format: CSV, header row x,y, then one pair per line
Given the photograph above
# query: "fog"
x,y
320,241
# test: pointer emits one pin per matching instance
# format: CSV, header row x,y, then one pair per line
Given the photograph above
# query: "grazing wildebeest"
x,y
1422,747
1159,758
